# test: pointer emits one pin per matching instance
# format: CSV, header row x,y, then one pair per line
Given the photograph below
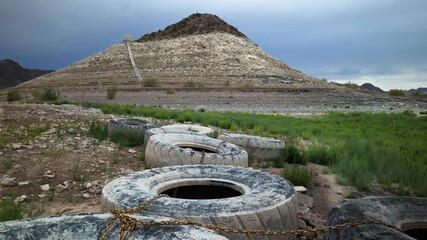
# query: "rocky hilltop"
x,y
195,24
201,48
12,74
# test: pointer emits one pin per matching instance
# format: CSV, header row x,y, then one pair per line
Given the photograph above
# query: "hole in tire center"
x,y
202,192
417,233
198,148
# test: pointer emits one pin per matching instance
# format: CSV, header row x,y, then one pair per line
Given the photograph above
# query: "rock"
x,y
29,147
87,185
300,189
42,195
301,224
305,199
48,174
312,219
302,208
60,188
42,146
50,131
20,151
16,146
131,151
20,199
8,182
86,195
20,184
45,187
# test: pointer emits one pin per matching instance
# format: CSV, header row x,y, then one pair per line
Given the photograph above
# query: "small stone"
x,y
20,151
302,208
42,195
20,184
29,147
50,131
88,185
86,195
20,199
301,224
131,151
60,188
42,146
45,187
305,199
8,182
16,146
48,174
300,189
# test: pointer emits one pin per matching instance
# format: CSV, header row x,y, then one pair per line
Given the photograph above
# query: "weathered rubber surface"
x,y
268,201
161,130
90,226
187,127
403,212
262,148
168,150
129,125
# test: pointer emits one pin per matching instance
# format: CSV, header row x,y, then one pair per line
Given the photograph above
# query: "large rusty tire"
x,y
129,126
405,213
213,194
261,148
90,226
187,149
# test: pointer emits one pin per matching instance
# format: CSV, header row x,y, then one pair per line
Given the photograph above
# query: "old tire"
x,y
264,201
129,126
261,148
406,213
186,149
90,226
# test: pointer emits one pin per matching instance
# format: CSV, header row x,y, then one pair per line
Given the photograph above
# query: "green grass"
x,y
150,82
14,95
111,92
9,210
358,146
98,130
299,175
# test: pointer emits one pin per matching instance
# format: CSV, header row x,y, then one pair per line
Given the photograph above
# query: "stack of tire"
x,y
183,156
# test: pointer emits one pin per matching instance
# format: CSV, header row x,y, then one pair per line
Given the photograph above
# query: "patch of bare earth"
x,y
52,160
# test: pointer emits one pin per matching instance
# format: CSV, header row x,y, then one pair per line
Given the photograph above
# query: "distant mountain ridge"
x,y
420,90
12,74
371,87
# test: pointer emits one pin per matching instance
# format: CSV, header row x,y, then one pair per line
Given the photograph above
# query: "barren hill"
x,y
201,48
12,74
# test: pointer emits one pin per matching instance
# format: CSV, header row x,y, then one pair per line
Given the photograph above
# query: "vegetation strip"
x,y
359,147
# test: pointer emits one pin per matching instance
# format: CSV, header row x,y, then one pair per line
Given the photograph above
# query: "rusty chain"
x,y
128,223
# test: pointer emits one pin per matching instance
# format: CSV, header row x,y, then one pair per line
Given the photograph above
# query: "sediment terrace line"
x,y
132,61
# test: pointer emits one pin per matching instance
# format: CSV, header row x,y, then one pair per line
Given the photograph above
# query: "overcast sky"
x,y
379,41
